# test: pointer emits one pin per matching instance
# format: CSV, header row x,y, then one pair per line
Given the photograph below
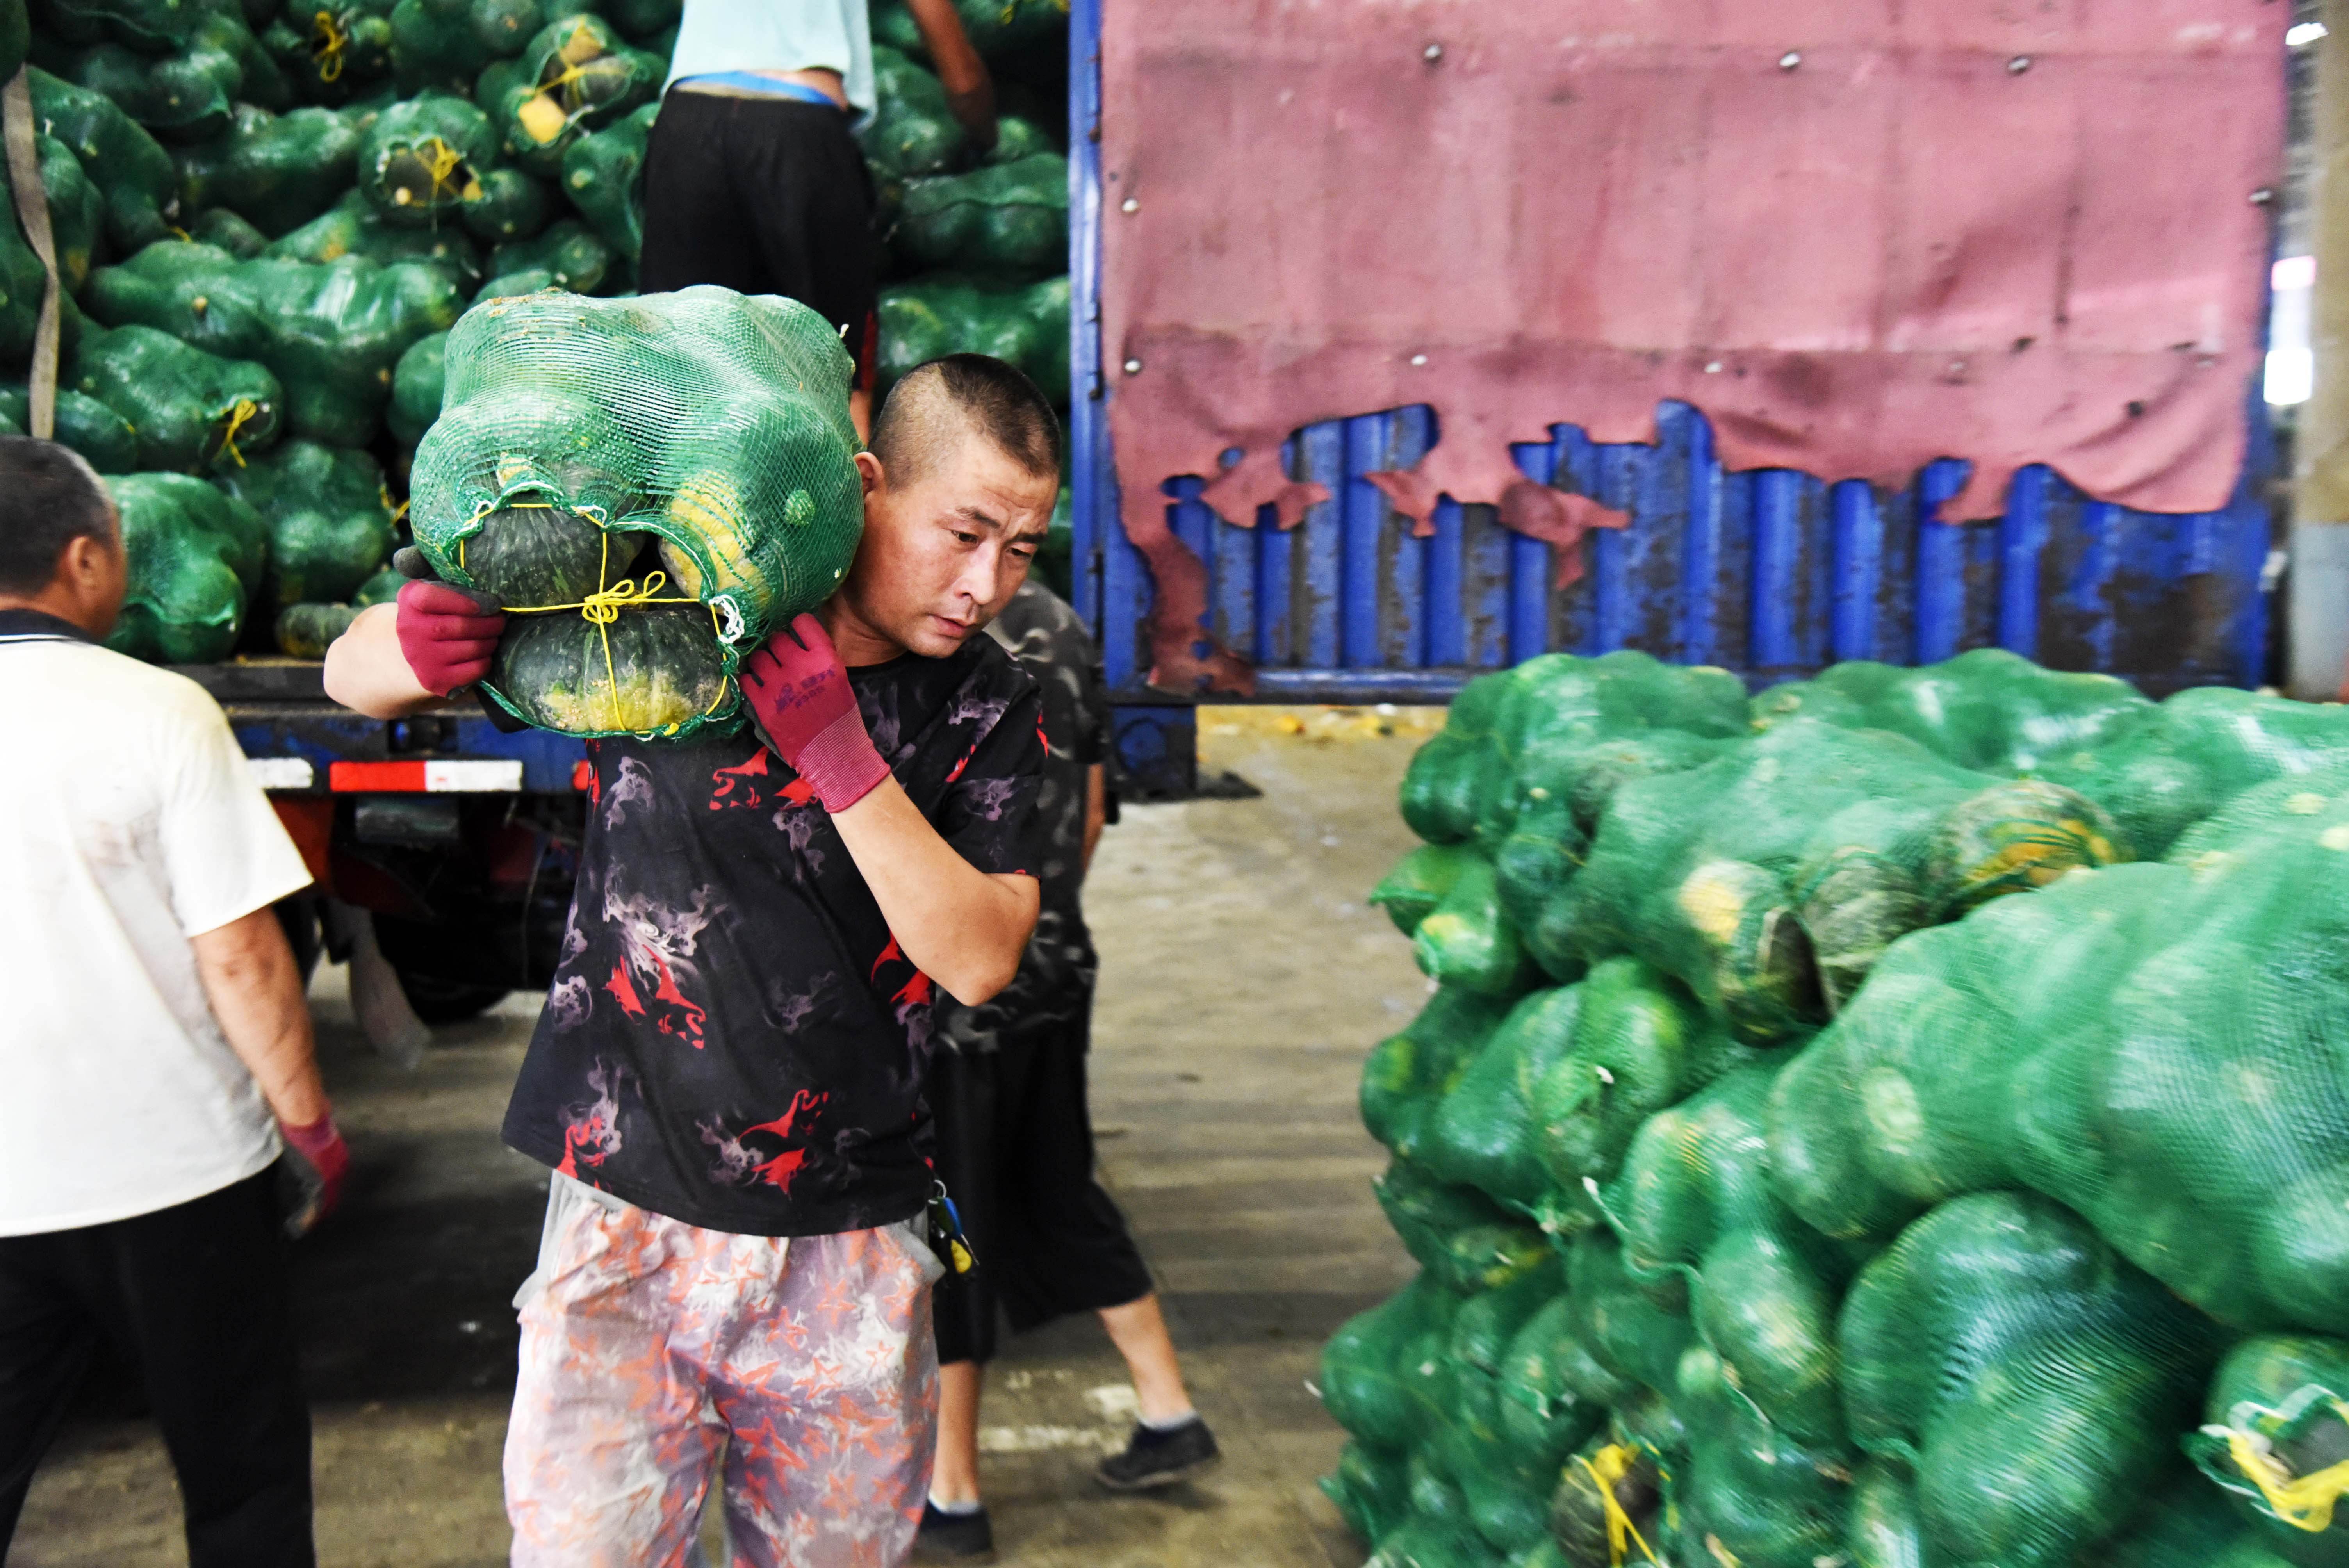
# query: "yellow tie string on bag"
x,y
244,414
603,607
2304,1502
328,51
1610,1465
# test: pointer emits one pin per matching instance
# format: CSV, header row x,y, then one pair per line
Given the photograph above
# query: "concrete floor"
x,y
1243,979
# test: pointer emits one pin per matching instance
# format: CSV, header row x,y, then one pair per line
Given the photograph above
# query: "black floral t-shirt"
x,y
734,1038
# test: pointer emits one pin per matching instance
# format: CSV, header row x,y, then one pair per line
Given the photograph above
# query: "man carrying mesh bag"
x,y
728,1077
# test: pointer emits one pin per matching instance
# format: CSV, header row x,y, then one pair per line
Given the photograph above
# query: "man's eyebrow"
x,y
972,514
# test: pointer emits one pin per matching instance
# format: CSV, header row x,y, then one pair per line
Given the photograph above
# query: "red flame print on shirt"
x,y
656,946
738,1162
591,1132
739,784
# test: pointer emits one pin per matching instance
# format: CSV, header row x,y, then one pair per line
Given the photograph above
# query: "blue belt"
x,y
765,87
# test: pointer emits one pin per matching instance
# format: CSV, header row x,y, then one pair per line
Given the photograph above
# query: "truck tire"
x,y
439,1002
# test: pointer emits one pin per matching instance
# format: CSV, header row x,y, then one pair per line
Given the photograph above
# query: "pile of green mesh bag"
x,y
1898,1121
269,216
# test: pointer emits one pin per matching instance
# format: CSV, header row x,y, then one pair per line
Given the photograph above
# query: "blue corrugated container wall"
x,y
1772,574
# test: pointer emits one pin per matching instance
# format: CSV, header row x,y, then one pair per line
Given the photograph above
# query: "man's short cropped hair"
x,y
922,410
48,498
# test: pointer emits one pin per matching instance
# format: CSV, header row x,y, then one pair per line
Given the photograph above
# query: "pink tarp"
x,y
1859,234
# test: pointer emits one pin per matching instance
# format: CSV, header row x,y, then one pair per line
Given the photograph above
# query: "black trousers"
x,y
195,1298
762,196
1016,1149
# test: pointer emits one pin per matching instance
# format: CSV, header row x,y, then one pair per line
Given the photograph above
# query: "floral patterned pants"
x,y
649,1345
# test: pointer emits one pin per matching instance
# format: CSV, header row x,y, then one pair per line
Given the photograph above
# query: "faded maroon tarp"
x,y
1859,234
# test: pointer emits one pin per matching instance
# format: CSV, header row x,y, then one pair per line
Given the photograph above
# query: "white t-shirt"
x,y
719,36
129,823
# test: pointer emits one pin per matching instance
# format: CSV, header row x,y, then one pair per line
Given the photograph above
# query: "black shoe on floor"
x,y
1155,1458
954,1537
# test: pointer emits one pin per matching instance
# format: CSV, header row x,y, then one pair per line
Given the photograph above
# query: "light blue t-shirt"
x,y
721,36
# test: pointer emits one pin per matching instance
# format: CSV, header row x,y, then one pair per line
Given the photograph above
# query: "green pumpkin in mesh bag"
x,y
600,174
2200,750
103,437
715,424
276,171
1693,1198
191,410
1370,1488
1640,1043
1363,1380
913,132
416,386
1424,1542
194,556
151,26
1553,1396
338,331
187,96
505,206
1418,884
1025,325
2186,1524
1484,1132
334,52
1607,1506
1445,786
574,75
76,213
2276,1439
1468,940
423,160
1004,219
308,631
2037,1382
329,516
198,294
1636,1332
1457,1234
569,253
133,174
1406,1074
15,37
442,46
352,227
224,230
1746,1493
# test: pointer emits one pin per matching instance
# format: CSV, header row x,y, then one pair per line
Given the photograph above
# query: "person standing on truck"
x,y
1016,1141
728,1077
752,180
157,1046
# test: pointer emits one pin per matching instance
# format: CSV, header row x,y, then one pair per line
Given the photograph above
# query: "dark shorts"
x,y
1016,1147
762,196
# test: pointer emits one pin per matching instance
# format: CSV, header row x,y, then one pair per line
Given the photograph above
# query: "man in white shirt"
x,y
752,180
154,1043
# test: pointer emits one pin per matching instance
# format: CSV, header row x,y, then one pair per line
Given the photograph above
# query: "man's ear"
x,y
868,470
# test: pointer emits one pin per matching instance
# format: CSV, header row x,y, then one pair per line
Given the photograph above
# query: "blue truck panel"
x,y
1771,574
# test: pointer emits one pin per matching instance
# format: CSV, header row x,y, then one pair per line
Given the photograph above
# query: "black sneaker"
x,y
954,1537
1155,1458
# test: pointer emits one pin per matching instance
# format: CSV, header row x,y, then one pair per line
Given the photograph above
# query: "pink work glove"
x,y
448,634
320,1145
805,710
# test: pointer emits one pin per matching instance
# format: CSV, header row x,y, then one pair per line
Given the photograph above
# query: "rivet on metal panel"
x,y
1129,205
1419,359
1433,53
1134,367
2263,196
2017,66
1714,368
1790,59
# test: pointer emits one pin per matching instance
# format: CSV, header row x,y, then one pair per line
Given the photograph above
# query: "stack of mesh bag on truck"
x,y
1901,1121
268,214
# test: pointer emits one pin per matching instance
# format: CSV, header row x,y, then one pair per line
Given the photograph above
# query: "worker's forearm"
x,y
255,989
962,927
366,671
970,90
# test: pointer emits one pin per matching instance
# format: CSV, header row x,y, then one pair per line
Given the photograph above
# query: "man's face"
x,y
942,554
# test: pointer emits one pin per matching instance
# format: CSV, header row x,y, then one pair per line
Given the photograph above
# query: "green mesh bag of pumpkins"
x,y
352,227
77,214
103,437
1022,325
134,176
328,518
599,176
1008,218
648,485
195,559
578,74
275,172
191,410
432,158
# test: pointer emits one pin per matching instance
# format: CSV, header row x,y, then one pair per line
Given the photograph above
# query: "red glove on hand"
x,y
448,634
321,1145
801,700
